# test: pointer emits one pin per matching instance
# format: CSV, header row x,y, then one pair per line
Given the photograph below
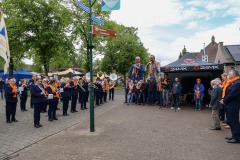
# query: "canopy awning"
x,y
189,63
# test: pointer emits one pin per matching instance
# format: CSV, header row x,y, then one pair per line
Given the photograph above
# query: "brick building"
x,y
229,55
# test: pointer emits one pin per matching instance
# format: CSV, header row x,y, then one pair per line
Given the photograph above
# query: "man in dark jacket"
x,y
176,91
142,92
216,96
151,87
231,94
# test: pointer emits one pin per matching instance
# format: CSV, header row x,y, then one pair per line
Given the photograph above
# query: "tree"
x,y
80,29
120,52
184,51
38,28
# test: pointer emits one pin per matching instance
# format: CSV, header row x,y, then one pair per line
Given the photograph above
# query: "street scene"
x,y
119,80
122,132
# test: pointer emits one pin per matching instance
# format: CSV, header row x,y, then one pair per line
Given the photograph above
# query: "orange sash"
x,y
75,83
159,86
165,81
224,83
227,85
53,90
14,89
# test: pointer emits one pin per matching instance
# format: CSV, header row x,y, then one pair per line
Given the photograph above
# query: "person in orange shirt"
x,y
222,111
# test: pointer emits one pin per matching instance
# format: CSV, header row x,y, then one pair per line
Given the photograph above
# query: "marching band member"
x,y
111,90
74,91
105,90
23,95
84,92
53,101
57,84
153,68
101,92
38,100
45,85
65,86
11,93
98,87
30,83
137,70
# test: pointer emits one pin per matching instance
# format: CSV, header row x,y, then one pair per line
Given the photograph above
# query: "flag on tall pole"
x,y
110,5
204,53
4,46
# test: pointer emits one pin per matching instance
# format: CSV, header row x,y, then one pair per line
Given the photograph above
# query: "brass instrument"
x,y
113,77
100,75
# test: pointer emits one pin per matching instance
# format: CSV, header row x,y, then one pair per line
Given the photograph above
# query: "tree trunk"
x,y
46,69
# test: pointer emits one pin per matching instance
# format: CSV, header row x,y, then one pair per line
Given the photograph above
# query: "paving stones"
x,y
125,133
17,136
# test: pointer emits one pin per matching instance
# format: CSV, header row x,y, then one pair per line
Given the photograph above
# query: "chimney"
x,y
213,39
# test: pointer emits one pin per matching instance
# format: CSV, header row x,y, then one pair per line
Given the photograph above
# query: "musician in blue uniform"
x,y
11,93
45,85
38,100
74,92
53,97
23,95
231,100
84,91
98,87
65,94
30,83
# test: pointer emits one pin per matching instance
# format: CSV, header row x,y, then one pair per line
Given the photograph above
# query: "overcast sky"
x,y
165,26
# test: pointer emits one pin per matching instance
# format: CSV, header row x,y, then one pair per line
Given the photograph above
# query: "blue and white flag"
x,y
4,47
110,5
204,54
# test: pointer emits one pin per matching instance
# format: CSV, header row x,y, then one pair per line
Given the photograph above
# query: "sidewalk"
x,y
17,136
137,133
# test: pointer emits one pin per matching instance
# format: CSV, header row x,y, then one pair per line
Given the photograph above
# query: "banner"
x,y
4,46
110,5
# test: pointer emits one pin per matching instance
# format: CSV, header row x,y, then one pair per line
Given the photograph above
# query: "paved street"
x,y
122,133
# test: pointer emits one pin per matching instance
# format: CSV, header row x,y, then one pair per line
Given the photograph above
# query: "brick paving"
x,y
17,136
122,133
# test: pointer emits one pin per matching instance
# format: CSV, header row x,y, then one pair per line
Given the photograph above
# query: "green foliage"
x,y
80,29
120,52
39,25
184,51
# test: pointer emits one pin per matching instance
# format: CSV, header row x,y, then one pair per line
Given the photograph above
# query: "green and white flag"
x,y
110,5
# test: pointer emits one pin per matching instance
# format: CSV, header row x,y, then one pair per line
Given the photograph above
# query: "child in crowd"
x,y
197,98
